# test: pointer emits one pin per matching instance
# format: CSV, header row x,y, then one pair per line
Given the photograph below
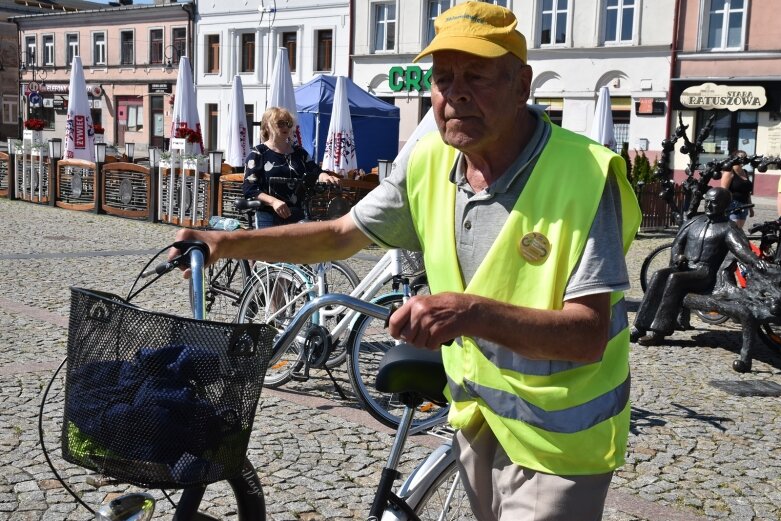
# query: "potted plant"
x,y
33,131
184,139
195,162
165,159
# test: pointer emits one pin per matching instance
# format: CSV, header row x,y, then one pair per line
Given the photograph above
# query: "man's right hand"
x,y
187,234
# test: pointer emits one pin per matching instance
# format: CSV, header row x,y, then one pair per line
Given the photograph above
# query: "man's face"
x,y
714,205
476,101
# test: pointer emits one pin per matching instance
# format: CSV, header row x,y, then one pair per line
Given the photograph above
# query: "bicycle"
x,y
106,328
276,291
227,278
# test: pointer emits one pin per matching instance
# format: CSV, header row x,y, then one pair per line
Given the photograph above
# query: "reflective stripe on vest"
x,y
542,412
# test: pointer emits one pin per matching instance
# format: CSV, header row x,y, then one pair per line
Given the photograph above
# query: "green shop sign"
x,y
411,78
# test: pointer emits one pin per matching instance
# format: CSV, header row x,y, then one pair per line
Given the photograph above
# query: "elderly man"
x,y
524,227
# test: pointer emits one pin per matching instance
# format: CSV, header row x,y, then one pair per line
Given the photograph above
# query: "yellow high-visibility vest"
x,y
557,417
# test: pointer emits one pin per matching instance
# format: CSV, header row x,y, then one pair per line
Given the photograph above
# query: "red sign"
x,y
646,106
79,132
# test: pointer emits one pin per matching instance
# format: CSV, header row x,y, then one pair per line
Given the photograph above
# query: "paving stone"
x,y
693,448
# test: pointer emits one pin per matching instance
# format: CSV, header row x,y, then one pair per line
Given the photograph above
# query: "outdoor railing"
x,y
657,214
4,171
76,188
126,190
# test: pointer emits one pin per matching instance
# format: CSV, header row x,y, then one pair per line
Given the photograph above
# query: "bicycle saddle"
x,y
408,369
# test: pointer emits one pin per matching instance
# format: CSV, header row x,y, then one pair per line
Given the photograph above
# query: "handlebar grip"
x,y
183,259
246,204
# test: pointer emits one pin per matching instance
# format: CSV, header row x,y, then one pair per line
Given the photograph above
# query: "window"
x,y
289,41
212,126
10,110
553,26
502,3
435,8
725,24
98,48
249,111
135,118
48,49
384,27
30,54
324,50
156,46
126,56
72,43
247,52
732,131
619,20
179,41
213,53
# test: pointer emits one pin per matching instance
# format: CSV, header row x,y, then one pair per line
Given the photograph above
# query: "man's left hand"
x,y
430,320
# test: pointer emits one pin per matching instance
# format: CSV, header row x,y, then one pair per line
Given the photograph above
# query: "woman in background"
x,y
278,157
740,186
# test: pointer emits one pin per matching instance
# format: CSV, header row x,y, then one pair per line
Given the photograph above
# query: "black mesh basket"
x,y
159,400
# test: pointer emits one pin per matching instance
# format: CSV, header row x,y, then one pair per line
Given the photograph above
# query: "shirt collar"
x,y
528,155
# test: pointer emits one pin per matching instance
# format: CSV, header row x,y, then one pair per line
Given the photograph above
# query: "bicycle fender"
x,y
420,479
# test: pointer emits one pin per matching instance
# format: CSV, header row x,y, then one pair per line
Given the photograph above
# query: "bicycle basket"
x,y
411,263
157,400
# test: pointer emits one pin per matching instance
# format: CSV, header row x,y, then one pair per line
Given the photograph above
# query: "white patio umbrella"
x,y
340,155
281,92
79,131
602,126
185,113
238,146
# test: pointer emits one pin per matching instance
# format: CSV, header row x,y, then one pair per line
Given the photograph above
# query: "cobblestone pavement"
x,y
695,451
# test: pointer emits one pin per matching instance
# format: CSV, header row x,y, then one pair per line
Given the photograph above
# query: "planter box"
x,y
198,164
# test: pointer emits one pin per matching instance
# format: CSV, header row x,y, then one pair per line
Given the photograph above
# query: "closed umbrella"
x,y
238,146
340,154
185,114
602,126
79,131
281,92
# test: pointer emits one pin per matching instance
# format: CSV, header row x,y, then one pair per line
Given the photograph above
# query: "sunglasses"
x,y
283,124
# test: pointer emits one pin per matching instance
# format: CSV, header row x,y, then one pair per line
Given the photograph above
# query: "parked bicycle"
x,y
158,400
227,278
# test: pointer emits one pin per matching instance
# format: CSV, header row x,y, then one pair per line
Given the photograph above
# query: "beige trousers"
x,y
500,490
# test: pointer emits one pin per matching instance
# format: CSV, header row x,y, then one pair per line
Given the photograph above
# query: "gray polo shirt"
x,y
383,215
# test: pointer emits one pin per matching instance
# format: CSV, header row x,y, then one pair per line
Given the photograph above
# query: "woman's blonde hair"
x,y
271,117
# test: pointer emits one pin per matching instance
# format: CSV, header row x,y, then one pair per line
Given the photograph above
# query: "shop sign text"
x,y
710,96
411,78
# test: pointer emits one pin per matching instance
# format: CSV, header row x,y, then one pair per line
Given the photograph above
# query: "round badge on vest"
x,y
534,247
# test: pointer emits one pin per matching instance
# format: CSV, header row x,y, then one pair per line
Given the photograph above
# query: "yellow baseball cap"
x,y
478,28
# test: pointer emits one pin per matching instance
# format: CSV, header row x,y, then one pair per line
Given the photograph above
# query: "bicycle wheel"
x,y
369,341
659,258
445,498
340,278
274,294
771,336
225,280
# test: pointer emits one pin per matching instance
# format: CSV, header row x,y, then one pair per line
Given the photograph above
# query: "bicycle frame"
x,y
387,267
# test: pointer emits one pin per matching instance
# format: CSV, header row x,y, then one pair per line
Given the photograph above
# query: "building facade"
x,y
130,56
574,49
236,38
727,63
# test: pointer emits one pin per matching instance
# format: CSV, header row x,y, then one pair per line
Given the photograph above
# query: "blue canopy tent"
x,y
375,123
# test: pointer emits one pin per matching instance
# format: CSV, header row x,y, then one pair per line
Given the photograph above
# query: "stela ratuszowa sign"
x,y
710,96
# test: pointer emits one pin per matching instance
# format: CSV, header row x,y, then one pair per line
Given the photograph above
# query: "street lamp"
x,y
384,167
154,161
130,149
100,158
215,169
55,154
